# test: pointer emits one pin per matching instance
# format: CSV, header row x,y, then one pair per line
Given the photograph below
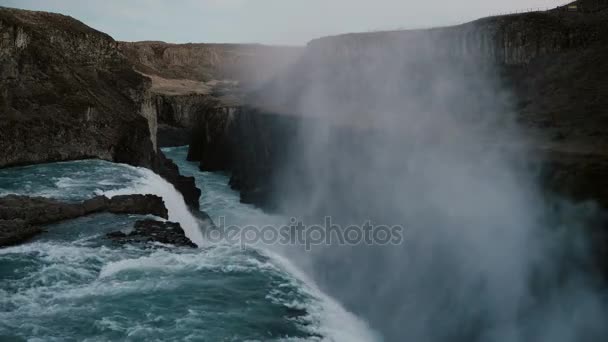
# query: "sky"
x,y
282,22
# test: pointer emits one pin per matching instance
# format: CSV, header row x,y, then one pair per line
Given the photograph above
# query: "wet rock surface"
x,y
150,231
14,232
22,216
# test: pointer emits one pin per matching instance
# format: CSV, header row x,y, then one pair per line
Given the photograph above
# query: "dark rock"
x,y
138,205
38,210
96,204
169,136
14,232
20,215
251,144
167,169
577,176
211,143
148,231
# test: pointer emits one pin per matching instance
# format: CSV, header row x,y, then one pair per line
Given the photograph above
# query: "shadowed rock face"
x,y
66,92
253,145
167,169
22,216
14,232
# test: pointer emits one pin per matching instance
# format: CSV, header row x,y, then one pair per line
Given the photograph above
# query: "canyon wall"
x,y
250,143
207,62
552,64
66,92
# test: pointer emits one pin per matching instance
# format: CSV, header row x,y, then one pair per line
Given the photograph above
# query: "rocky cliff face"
x,y
66,93
507,40
250,143
178,112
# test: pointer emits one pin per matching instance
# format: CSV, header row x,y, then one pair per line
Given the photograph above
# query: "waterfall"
x,y
153,184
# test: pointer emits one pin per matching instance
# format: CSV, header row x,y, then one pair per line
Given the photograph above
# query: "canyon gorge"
x,y
487,141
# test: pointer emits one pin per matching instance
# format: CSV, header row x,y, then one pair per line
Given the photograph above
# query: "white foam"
x,y
222,258
334,322
153,184
67,182
160,261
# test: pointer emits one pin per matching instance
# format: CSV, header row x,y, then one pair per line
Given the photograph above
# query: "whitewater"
x,y
72,284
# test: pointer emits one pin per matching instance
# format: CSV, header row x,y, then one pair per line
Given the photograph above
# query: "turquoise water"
x,y
70,284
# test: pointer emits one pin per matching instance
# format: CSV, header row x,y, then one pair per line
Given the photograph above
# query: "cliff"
x,y
207,62
189,80
551,63
250,143
66,92
180,103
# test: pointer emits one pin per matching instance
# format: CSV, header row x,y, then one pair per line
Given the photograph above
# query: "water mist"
x,y
416,129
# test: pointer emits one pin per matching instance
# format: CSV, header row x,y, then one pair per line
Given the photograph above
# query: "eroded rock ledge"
x,y
150,231
21,217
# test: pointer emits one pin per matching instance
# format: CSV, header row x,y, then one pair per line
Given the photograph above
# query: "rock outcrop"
x,y
66,92
167,169
22,216
146,232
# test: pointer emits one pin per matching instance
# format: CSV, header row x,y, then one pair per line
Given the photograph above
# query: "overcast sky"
x,y
293,22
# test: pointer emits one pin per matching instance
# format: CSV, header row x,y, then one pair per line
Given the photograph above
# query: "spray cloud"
x,y
415,128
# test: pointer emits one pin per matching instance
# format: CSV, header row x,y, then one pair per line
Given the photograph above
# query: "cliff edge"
x,y
66,92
